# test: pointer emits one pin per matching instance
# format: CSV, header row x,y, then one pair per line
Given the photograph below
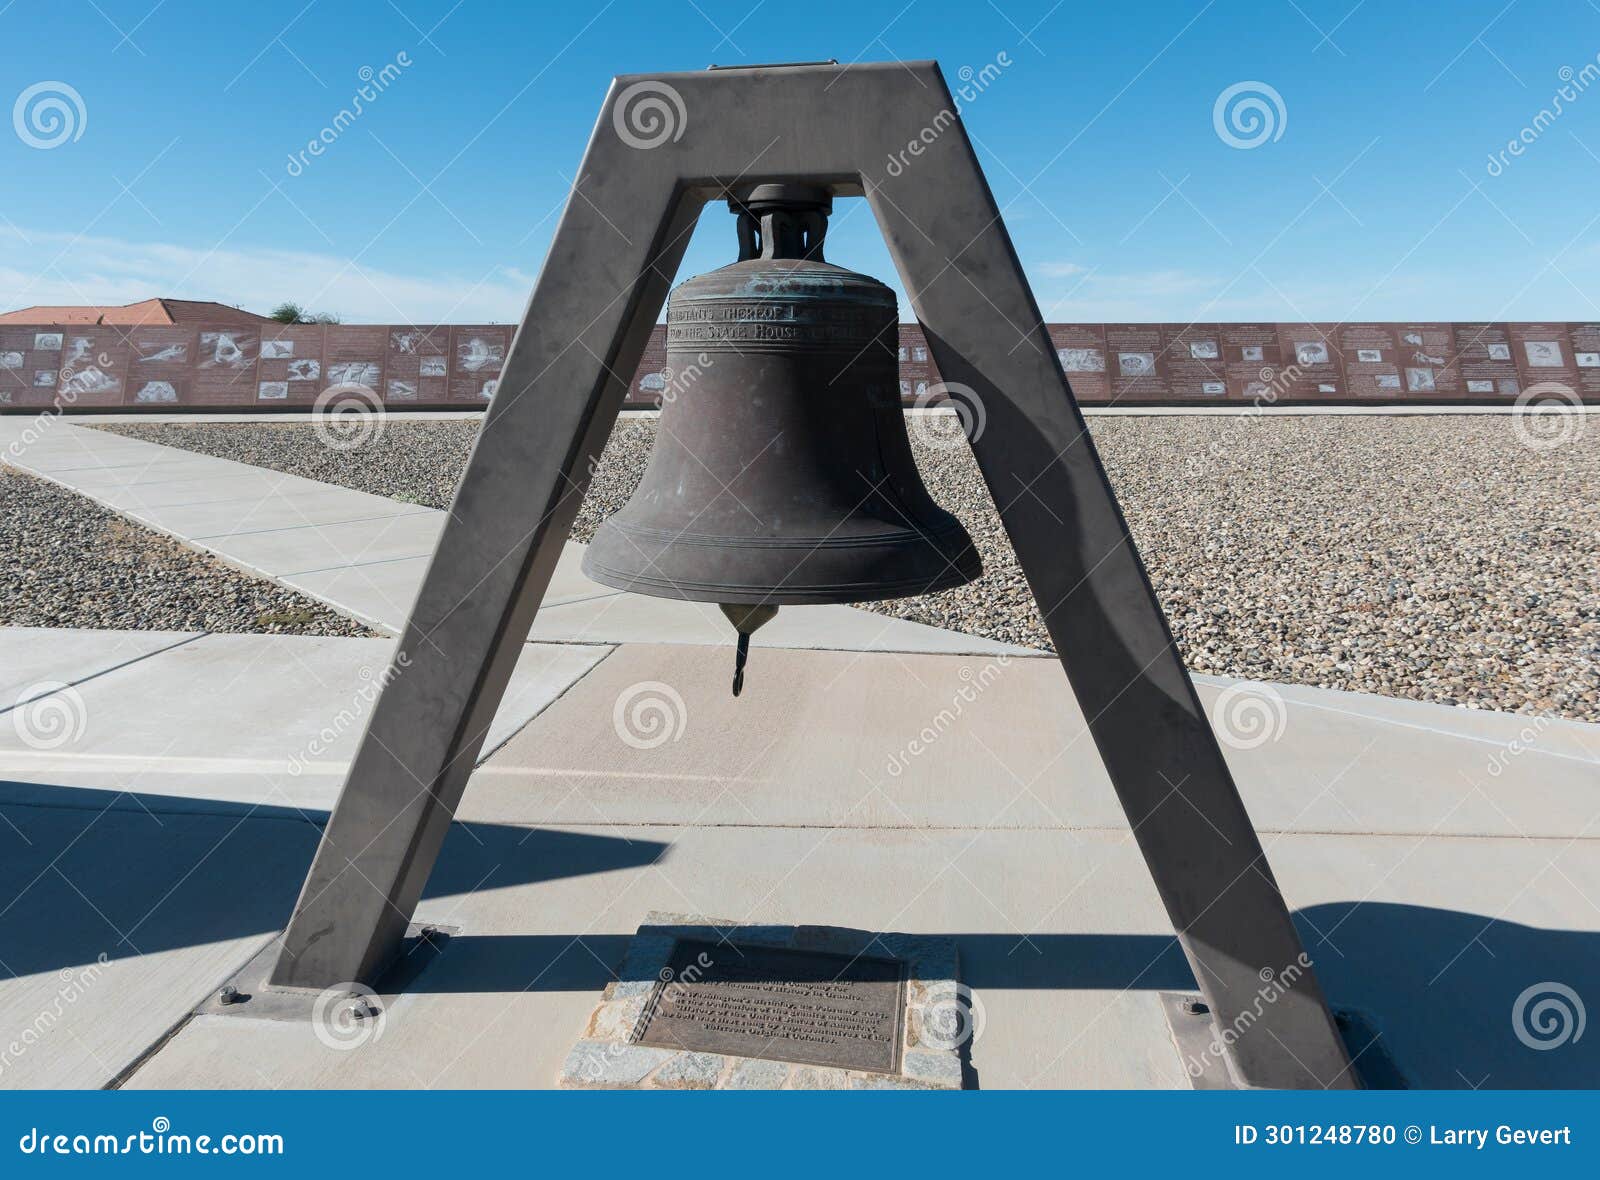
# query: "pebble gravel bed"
x,y
67,562
1444,558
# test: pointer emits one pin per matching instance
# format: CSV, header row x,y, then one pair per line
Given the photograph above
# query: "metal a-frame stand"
x,y
664,145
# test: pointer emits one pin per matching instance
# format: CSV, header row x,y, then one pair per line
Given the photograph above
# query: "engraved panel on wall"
x,y
161,365
418,370
354,355
477,354
292,371
225,366
30,365
1545,359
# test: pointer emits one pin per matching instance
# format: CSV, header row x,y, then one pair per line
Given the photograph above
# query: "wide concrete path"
x,y
157,789
162,795
365,555
1439,861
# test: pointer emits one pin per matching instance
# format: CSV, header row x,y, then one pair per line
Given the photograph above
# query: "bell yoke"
x,y
781,472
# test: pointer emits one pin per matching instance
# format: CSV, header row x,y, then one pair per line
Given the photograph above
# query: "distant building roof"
x,y
146,311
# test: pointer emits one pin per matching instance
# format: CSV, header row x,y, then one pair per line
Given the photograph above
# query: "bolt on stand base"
x,y
246,992
1200,1045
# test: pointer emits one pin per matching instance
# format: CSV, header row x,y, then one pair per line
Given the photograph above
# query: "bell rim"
x,y
832,593
952,531
958,556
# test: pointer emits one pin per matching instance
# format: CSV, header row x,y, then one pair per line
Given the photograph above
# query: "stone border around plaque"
x,y
933,1016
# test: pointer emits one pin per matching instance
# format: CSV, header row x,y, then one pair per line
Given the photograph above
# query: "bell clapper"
x,y
746,620
741,654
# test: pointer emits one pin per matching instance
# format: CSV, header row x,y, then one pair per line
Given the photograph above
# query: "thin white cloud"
x,y
50,267
41,267
1072,292
1176,296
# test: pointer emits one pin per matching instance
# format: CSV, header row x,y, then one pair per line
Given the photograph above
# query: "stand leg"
x,y
558,398
1105,621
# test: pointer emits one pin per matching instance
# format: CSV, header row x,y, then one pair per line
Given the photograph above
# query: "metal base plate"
x,y
250,995
1206,1061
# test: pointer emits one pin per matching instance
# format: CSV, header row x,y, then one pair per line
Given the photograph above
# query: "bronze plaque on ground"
x,y
783,1005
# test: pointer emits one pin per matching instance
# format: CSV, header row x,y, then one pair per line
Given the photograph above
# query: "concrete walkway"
x,y
1440,861
161,795
140,774
365,555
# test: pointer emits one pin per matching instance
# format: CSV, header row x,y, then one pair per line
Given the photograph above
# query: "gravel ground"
x,y
67,562
1439,558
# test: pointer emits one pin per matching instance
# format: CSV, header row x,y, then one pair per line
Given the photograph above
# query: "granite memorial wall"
x,y
1306,363
253,368
457,366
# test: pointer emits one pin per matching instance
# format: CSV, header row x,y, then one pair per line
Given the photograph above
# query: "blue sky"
x,y
1376,201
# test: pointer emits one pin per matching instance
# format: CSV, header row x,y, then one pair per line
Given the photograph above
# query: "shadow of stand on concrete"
x,y
1454,996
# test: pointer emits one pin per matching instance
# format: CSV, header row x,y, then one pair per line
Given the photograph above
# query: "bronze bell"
x,y
781,472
